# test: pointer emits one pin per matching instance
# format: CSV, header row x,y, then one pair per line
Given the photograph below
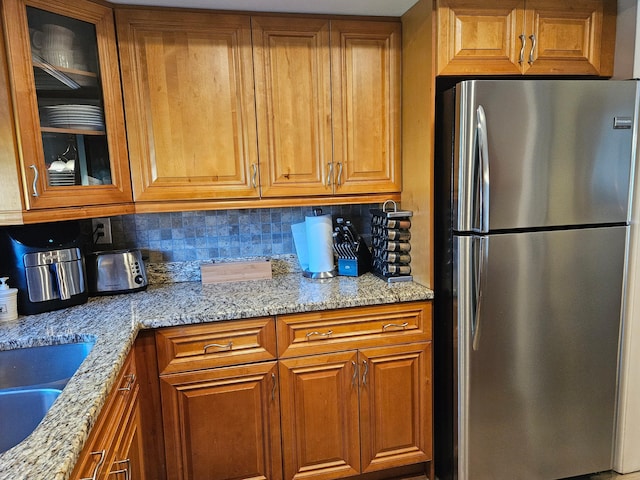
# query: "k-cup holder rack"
x,y
390,236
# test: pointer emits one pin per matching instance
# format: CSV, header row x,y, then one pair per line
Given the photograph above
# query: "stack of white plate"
x,y
84,117
58,179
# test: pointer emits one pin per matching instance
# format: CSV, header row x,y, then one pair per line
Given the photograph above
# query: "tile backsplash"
x,y
206,235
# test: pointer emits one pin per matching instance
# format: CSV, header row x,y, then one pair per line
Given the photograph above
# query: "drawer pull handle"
x,y
523,39
533,48
355,373
98,465
395,325
366,371
228,346
126,471
324,335
131,378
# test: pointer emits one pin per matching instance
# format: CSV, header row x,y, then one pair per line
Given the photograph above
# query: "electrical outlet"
x,y
101,230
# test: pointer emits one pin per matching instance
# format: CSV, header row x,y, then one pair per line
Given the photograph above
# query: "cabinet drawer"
x,y
335,330
194,347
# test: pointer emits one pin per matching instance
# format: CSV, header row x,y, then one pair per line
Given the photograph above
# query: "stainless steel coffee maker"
x,y
46,264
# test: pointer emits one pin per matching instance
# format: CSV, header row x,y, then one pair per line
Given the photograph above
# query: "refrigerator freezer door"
x,y
538,328
541,153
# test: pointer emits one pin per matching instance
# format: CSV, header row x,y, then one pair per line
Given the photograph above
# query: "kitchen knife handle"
x,y
533,48
34,186
523,39
483,153
98,465
228,346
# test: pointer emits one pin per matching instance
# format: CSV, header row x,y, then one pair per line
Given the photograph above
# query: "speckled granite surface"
x,y
52,450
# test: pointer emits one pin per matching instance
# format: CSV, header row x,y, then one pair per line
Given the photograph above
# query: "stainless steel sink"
x,y
21,411
30,381
49,366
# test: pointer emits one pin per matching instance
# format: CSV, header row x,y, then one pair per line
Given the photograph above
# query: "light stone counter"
x,y
52,450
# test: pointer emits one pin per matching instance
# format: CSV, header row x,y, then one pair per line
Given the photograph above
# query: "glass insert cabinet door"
x,y
67,100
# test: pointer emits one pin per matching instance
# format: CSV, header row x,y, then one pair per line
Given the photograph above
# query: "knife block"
x,y
391,235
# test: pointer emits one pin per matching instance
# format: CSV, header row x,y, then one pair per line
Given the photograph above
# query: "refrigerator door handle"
x,y
483,151
480,254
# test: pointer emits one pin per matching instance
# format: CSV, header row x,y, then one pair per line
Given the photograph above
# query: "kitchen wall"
x,y
206,235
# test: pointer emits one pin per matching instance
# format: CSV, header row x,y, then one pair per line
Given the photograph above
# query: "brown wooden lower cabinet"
x,y
356,412
222,423
345,393
114,449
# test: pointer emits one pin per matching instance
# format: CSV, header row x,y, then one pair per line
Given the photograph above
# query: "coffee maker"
x,y
45,263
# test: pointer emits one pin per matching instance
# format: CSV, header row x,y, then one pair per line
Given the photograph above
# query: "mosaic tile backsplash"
x,y
207,235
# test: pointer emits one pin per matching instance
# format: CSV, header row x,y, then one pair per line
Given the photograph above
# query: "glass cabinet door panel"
x,y
76,148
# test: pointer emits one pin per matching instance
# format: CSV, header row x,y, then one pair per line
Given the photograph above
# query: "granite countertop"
x,y
52,450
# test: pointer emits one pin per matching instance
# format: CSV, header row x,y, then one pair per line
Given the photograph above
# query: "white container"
x,y
8,301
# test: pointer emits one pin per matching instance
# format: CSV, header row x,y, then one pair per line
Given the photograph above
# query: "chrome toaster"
x,y
115,271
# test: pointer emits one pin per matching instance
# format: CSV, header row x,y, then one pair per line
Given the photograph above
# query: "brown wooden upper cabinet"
x,y
65,88
327,99
533,37
321,116
188,92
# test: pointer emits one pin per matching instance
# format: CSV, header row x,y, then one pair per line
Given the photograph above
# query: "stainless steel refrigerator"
x,y
532,212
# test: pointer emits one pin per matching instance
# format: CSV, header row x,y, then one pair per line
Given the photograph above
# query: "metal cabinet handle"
x,y
523,39
254,175
228,346
324,335
397,325
355,373
273,388
339,181
131,379
35,181
366,371
126,471
329,173
533,47
98,465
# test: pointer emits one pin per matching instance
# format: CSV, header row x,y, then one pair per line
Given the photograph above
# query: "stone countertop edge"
x,y
53,449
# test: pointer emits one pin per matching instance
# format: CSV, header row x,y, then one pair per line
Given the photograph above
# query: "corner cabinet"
x,y
532,37
114,449
188,92
67,103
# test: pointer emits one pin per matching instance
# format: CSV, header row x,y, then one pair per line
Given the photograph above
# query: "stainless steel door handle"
x,y
483,153
533,48
34,186
480,274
